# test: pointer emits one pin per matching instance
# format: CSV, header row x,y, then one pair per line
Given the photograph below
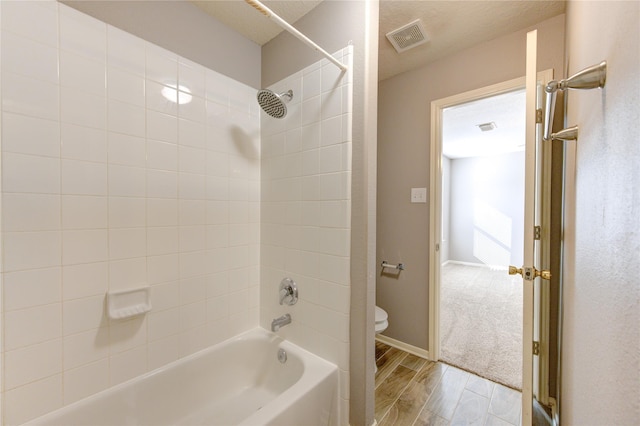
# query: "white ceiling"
x,y
451,25
462,138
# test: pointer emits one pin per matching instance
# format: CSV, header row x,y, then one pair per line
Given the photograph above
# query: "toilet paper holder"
x,y
399,266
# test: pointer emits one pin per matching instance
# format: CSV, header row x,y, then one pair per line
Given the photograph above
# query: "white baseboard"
x,y
481,265
403,346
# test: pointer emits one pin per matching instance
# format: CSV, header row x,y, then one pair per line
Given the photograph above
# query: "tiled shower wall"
x,y
306,212
108,185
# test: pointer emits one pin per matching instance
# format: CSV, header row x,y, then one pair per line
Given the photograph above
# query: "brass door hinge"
x,y
539,115
537,232
536,348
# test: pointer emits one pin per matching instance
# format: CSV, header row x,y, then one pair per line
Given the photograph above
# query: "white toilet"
x,y
382,322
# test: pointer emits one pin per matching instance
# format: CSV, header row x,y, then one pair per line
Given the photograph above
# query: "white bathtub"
x,y
237,382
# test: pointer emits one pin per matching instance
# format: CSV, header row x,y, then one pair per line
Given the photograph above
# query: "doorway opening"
x,y
482,228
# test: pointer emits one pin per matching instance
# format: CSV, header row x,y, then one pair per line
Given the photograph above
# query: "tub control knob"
x,y
288,292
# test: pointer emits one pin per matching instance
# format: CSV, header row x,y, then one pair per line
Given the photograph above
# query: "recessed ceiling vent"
x,y
487,127
408,36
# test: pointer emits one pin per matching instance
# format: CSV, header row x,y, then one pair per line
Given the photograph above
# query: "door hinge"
x,y
539,115
437,247
537,232
536,348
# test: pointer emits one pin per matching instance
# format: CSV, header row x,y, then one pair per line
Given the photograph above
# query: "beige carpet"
x,y
481,322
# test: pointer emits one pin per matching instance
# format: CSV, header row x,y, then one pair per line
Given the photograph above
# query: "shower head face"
x,y
274,104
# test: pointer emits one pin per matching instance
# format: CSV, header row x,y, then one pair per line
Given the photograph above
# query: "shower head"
x,y
274,104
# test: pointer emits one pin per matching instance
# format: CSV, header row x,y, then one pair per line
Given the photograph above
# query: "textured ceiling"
x,y
451,25
461,136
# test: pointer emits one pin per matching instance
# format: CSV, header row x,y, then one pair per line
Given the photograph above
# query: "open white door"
x,y
531,251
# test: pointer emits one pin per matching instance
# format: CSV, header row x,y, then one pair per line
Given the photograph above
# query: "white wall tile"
x,y
125,51
162,240
29,58
161,98
84,246
162,127
310,110
83,314
193,314
35,20
127,150
32,287
165,296
194,110
127,365
83,108
163,351
192,76
331,159
127,181
86,380
162,184
81,34
192,264
164,323
193,238
85,347
162,269
191,133
125,86
32,400
127,243
84,280
26,250
192,212
84,212
83,178
129,334
162,155
32,363
29,135
193,289
80,72
31,212
29,173
191,186
27,96
310,135
162,65
162,212
83,143
217,284
192,160
126,118
128,273
31,326
90,173
311,84
127,212
331,104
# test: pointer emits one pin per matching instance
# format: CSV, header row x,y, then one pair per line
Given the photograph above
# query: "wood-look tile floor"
x,y
414,391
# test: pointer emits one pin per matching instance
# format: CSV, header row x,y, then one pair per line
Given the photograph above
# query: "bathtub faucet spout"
x,y
280,322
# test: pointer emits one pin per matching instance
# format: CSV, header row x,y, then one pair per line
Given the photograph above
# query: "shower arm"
x,y
589,78
284,24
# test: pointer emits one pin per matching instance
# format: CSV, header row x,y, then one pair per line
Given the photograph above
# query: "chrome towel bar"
x,y
399,266
593,77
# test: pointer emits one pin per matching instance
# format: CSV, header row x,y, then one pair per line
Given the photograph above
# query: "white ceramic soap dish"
x,y
128,303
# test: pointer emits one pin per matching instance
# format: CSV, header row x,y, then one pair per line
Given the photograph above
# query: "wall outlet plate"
x,y
418,195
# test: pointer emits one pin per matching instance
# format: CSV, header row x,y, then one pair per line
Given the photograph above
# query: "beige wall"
x,y
332,25
183,28
403,149
601,337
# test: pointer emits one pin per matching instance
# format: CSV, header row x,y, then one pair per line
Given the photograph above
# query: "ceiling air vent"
x,y
487,127
408,36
